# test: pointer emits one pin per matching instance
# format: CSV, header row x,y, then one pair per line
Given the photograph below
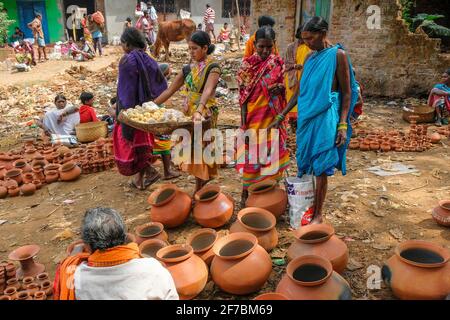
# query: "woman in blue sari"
x,y
328,96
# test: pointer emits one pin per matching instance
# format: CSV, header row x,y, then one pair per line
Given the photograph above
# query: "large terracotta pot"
x,y
419,270
240,266
150,247
188,271
170,206
202,241
271,296
259,222
441,214
267,195
28,267
313,278
69,171
14,174
212,209
320,240
151,230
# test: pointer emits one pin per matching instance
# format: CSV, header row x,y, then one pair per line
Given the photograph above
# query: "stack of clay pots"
x,y
28,288
97,156
7,272
415,140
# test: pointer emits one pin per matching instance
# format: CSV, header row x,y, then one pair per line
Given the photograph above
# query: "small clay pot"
x,y
385,147
24,295
38,184
5,297
38,173
11,292
202,241
10,269
364,146
259,222
354,145
435,138
22,165
441,214
13,191
9,183
15,174
28,178
40,295
69,171
3,192
26,281
374,146
41,277
39,161
149,248
46,286
267,195
28,189
212,208
51,176
13,282
32,288
151,230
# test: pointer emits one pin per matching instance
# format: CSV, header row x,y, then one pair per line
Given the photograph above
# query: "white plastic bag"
x,y
301,200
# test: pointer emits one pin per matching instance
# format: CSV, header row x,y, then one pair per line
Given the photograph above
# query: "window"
x,y
164,6
229,8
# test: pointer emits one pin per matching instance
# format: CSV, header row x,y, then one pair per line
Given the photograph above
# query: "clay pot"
x,y
39,161
259,222
2,172
62,151
31,153
3,192
32,288
38,184
267,195
9,183
10,269
6,161
22,165
374,146
69,171
320,240
47,287
149,248
354,145
28,189
151,230
24,295
51,167
13,283
11,292
13,191
364,146
435,137
28,178
77,246
170,206
5,297
313,278
40,295
40,278
28,267
385,147
240,266
212,209
441,214
202,241
188,271
56,158
419,270
26,281
271,296
14,174
51,176
38,173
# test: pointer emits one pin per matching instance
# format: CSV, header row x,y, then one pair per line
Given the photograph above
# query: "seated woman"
x,y
113,269
17,36
224,35
61,118
440,99
86,53
24,53
87,112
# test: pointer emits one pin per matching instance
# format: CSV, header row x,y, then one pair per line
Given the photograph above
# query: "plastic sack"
x,y
301,200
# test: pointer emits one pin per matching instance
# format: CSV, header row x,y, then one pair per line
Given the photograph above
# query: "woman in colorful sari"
x,y
296,54
262,99
113,269
24,53
200,81
250,49
140,80
86,33
440,99
328,95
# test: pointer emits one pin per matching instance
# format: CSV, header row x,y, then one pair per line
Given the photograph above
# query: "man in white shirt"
x,y
208,19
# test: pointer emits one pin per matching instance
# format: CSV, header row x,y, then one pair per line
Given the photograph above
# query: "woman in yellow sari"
x,y
296,54
200,81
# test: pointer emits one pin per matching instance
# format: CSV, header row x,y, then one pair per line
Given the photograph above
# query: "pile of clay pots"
x,y
26,170
415,140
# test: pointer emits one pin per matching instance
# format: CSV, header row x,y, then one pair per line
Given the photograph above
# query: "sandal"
x,y
145,182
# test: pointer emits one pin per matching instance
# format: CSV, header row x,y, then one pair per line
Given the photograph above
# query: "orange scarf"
x,y
64,288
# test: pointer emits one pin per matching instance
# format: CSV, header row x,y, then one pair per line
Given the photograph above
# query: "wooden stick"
x,y
426,184
239,25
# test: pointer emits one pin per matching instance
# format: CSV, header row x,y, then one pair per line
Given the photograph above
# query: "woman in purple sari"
x,y
140,80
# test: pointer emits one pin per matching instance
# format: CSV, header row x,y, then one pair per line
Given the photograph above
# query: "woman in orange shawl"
x,y
250,48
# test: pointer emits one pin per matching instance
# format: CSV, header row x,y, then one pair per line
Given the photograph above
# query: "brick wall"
x,y
283,11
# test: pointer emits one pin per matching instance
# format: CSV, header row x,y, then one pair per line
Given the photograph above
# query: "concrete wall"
x,y
116,12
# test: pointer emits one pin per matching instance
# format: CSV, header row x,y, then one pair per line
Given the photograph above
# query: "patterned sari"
x,y
255,78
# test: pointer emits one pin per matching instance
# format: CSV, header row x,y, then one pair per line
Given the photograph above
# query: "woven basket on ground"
x,y
424,113
165,128
91,131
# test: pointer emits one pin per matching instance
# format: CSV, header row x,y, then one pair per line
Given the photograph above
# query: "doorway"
x,y
26,11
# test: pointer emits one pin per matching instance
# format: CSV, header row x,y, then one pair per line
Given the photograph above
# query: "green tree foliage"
x,y
4,25
428,24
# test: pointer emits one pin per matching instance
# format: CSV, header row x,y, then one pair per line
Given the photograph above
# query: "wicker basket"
x,y
91,131
424,114
165,128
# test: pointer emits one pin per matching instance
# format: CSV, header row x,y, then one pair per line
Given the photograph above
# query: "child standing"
x,y
87,112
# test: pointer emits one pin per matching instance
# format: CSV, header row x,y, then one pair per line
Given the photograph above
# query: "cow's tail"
x,y
158,45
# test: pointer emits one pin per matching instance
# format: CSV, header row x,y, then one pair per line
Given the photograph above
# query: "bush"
x,y
4,25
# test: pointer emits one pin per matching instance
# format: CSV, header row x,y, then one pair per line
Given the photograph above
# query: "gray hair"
x,y
103,228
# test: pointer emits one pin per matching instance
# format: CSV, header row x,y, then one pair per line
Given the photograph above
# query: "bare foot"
x,y
171,175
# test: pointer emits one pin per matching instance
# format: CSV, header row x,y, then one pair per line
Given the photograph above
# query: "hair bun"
x,y
211,48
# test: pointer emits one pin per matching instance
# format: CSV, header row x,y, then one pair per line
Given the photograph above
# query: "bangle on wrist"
x,y
342,126
279,117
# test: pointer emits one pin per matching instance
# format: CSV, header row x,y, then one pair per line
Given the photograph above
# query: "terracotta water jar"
x,y
170,206
22,165
13,191
202,241
212,208
320,240
15,174
313,278
3,192
149,248
40,295
69,171
51,176
271,296
419,270
441,214
240,265
259,222
28,267
151,230
188,271
267,195
28,189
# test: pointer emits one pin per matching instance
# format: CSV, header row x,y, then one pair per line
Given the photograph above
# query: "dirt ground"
x,y
371,214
